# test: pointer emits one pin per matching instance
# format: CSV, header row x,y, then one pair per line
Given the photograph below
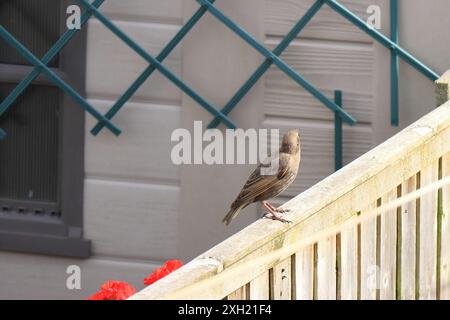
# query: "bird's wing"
x,y
258,184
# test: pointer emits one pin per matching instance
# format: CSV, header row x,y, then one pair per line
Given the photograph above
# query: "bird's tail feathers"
x,y
232,214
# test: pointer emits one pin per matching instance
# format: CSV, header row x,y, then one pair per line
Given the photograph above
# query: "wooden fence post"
x,y
443,89
442,96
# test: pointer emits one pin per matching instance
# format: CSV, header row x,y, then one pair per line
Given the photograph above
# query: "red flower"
x,y
114,290
169,267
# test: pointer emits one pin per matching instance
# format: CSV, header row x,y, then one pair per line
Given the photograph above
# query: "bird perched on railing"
x,y
262,187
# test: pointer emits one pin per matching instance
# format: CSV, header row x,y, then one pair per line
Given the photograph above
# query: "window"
x,y
42,158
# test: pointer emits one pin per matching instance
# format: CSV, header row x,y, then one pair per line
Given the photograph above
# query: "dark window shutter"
x,y
29,156
34,23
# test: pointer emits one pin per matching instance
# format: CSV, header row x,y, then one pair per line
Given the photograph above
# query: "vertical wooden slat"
x,y
338,266
442,96
326,269
239,294
315,271
388,249
281,280
408,247
369,268
259,287
349,263
428,235
304,273
445,235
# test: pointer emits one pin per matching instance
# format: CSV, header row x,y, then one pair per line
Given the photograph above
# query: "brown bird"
x,y
260,187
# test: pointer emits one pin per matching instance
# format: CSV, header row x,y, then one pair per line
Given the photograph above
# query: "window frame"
x,y
61,236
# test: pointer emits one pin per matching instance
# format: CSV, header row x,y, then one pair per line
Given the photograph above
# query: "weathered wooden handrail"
x,y
403,253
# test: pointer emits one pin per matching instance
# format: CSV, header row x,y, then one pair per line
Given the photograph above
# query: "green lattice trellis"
x,y
155,63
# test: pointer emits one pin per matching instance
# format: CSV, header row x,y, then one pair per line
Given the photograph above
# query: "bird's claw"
x,y
269,215
282,220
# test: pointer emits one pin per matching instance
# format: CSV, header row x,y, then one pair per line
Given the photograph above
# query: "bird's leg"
x,y
278,209
272,210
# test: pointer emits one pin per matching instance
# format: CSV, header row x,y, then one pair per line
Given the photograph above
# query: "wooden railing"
x,y
377,229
